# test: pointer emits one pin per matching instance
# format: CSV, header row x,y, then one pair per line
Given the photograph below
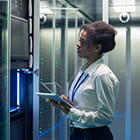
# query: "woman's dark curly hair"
x,y
99,32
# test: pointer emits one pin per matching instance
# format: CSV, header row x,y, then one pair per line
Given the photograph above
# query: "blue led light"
x,y
55,126
58,124
18,88
118,115
12,109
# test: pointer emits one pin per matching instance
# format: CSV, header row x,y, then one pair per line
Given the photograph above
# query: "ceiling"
x,y
130,7
90,9
93,8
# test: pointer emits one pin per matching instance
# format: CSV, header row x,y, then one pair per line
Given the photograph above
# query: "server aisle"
x,y
21,71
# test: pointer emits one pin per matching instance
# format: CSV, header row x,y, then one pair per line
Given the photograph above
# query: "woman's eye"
x,y
83,41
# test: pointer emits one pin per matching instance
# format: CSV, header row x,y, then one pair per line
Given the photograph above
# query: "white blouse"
x,y
93,94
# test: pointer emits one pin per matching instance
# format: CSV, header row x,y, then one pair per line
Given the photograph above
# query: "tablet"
x,y
52,96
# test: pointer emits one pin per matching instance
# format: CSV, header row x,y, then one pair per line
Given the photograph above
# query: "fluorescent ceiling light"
x,y
124,5
45,11
124,8
118,2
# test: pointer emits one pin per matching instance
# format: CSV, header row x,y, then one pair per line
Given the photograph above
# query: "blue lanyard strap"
x,y
78,83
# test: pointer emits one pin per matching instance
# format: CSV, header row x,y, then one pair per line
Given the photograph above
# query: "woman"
x,y
95,87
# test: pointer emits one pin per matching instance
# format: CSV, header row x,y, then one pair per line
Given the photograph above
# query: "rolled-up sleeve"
x,y
106,90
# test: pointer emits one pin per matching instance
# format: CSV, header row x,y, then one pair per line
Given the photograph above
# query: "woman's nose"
x,y
78,44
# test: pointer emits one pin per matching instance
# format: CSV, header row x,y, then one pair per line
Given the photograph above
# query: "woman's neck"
x,y
91,60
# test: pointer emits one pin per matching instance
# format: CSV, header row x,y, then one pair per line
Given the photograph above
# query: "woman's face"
x,y
83,50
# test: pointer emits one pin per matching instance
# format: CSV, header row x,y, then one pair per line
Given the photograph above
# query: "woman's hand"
x,y
66,99
61,105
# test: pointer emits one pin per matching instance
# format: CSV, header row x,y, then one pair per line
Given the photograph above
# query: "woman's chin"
x,y
80,56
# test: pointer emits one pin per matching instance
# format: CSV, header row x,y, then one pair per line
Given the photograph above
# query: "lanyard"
x,y
81,79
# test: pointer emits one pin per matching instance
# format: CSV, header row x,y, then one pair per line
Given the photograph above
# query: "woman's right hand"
x,y
66,99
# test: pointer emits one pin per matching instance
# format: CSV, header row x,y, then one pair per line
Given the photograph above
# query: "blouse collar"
x,y
92,67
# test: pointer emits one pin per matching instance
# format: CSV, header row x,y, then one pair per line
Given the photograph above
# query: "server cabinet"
x,y
4,68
